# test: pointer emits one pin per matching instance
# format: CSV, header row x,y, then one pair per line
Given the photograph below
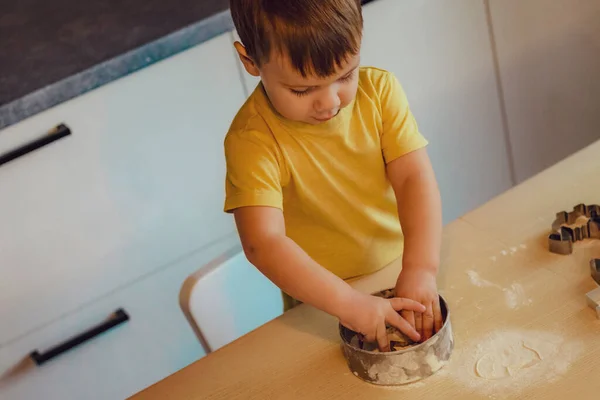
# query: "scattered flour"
x,y
479,281
512,251
511,298
505,362
514,295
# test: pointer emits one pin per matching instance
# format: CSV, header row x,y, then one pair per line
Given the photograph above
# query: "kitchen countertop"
x,y
52,51
499,279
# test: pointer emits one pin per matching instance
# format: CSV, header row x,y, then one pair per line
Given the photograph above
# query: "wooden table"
x,y
498,246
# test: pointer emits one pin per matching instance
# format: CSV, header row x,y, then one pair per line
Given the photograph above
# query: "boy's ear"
x,y
248,62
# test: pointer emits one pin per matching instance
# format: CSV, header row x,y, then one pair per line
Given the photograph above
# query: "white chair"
x,y
228,298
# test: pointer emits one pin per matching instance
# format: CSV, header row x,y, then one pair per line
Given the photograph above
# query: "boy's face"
x,y
310,99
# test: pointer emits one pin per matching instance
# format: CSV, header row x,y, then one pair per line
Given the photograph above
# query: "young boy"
x,y
325,165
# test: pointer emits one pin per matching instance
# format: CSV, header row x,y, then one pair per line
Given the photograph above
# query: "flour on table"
x,y
505,362
499,366
479,281
512,251
514,295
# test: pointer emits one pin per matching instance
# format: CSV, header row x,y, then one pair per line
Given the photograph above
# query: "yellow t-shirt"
x,y
329,179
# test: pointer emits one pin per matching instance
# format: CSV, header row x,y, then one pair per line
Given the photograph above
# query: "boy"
x,y
326,168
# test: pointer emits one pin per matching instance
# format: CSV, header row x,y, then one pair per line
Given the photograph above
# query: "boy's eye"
x,y
347,77
304,92
300,93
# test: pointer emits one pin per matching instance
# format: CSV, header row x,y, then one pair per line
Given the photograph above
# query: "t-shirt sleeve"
x,y
253,175
400,134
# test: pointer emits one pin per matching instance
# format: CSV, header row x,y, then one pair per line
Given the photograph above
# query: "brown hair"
x,y
317,35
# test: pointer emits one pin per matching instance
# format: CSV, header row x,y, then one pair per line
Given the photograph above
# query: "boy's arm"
x,y
419,209
262,231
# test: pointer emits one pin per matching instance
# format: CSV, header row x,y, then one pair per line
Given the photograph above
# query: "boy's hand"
x,y
368,315
420,285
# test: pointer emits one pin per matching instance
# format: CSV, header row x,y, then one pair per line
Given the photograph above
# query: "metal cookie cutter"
x,y
595,269
563,236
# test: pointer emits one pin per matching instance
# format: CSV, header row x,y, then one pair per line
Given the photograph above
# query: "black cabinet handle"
x,y
119,317
55,134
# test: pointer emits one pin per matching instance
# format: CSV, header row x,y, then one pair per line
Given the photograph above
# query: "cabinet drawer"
x,y
138,183
156,342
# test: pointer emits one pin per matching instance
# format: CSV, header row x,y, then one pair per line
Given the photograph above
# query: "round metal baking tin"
x,y
404,366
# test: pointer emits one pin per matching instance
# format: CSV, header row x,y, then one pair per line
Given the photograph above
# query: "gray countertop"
x,y
53,51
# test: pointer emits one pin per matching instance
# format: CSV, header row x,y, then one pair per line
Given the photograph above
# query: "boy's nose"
x,y
329,101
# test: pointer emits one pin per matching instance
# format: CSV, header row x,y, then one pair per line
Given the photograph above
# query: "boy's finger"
x,y
438,319
369,337
403,326
419,323
400,303
382,339
409,316
428,322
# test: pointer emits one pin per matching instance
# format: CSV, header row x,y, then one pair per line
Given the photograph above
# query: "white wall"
x,y
549,60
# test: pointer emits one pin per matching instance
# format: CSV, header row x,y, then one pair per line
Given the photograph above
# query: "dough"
x,y
398,341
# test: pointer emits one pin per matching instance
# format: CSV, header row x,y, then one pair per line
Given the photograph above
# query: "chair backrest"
x,y
228,298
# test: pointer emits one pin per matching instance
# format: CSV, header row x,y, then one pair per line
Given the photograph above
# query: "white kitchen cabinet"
x,y
549,60
441,54
156,341
138,184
